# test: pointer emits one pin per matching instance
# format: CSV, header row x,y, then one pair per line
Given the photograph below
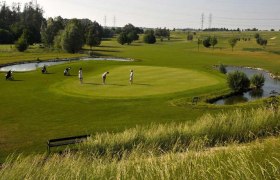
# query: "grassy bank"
x,y
189,150
208,131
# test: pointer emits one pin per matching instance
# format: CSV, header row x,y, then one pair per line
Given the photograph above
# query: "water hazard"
x,y
31,66
271,87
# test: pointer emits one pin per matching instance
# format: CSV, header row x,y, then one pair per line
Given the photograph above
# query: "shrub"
x,y
238,81
232,42
258,80
149,37
206,42
122,38
222,69
21,43
190,37
257,35
213,41
262,42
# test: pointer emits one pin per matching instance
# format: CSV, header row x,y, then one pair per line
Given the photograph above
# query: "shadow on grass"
x,y
104,50
101,84
15,80
135,45
108,84
94,53
116,84
253,49
96,84
49,73
108,46
275,52
141,84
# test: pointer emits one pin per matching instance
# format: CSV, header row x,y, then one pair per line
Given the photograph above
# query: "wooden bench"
x,y
65,141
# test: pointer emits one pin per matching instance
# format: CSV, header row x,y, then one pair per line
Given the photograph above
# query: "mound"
x,y
148,80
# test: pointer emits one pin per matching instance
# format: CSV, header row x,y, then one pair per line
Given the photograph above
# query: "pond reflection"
x,y
270,86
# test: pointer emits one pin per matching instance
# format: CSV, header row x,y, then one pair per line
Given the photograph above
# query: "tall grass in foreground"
x,y
254,161
170,151
209,131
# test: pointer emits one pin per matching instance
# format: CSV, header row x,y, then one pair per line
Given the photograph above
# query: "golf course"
x,y
36,107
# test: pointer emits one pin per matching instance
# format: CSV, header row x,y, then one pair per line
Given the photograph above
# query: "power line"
x,y
249,19
114,21
210,21
202,20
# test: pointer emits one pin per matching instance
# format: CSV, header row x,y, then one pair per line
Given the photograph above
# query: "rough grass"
x,y
208,131
260,160
175,151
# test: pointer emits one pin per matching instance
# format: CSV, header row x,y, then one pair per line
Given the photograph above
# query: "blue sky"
x,y
262,14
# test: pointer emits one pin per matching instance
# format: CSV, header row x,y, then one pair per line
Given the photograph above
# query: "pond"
x,y
271,87
31,66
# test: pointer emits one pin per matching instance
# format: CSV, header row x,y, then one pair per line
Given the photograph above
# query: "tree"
x,y
130,29
149,37
162,33
238,81
50,29
258,80
213,41
189,37
32,18
262,42
92,40
6,37
199,41
129,34
107,33
94,35
206,42
72,37
122,38
222,69
21,43
57,40
232,42
257,35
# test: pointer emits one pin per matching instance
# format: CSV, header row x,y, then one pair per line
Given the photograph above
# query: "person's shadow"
x,y
142,84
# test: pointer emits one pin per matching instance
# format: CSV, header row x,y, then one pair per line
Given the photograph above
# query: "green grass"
x,y
252,161
36,107
171,151
148,80
9,54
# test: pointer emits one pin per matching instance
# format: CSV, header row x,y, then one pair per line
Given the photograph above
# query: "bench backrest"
x,y
66,141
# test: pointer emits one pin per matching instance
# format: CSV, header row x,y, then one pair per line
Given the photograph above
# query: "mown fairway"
x,y
36,107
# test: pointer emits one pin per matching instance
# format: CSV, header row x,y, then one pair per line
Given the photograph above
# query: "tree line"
x,y
129,33
28,26
212,41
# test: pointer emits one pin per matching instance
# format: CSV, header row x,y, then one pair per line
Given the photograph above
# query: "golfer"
x,y
104,75
131,76
81,75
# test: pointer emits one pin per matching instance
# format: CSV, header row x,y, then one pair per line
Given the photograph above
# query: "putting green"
x,y
148,80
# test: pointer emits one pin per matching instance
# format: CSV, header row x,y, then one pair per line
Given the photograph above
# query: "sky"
x,y
262,14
